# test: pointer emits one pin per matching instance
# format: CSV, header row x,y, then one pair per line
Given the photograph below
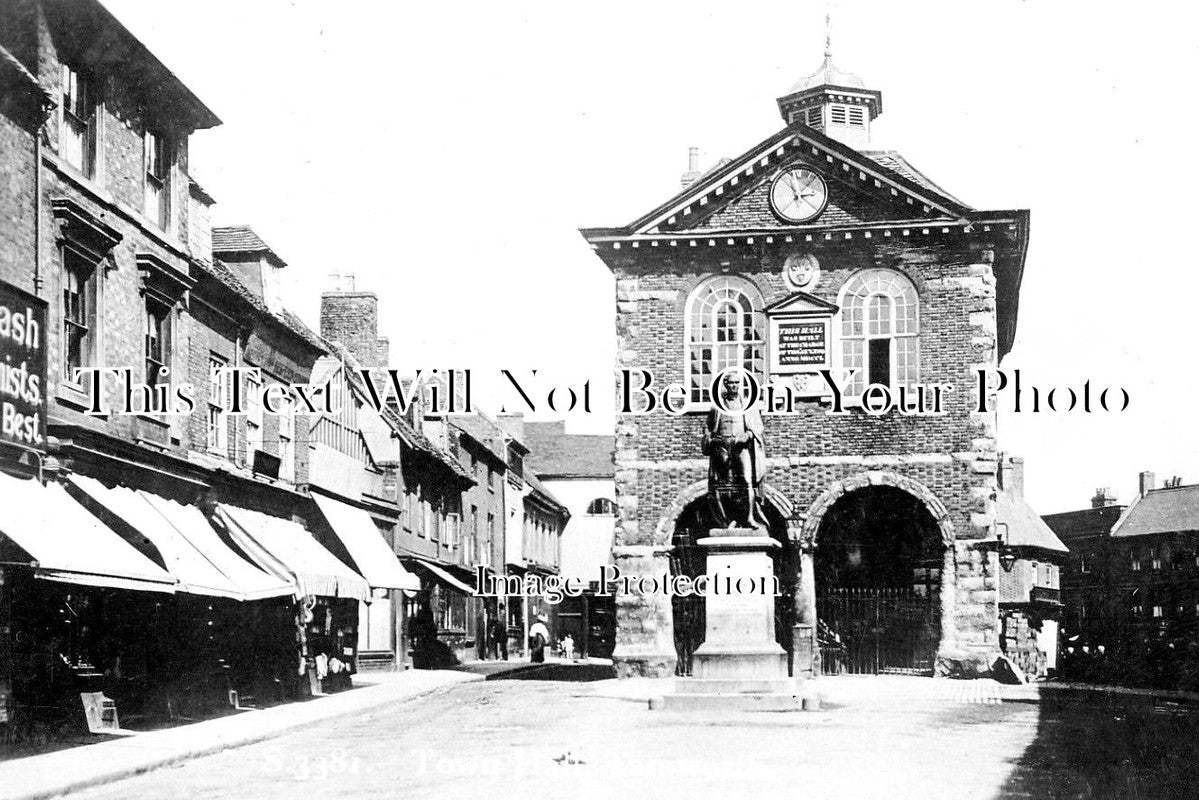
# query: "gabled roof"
x,y
284,319
243,239
1084,523
554,453
543,494
1024,527
1172,510
413,438
885,182
896,163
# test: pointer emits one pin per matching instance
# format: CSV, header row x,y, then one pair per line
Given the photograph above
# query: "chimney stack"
x,y
1103,498
692,174
352,318
1147,480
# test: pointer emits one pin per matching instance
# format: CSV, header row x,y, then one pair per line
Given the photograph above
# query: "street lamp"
x,y
1007,556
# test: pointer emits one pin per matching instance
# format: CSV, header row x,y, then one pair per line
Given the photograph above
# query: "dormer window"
x,y
157,158
77,134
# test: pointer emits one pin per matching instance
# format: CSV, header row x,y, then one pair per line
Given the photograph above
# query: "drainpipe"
x,y
37,210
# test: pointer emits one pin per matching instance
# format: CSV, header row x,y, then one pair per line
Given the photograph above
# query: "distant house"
x,y
1131,587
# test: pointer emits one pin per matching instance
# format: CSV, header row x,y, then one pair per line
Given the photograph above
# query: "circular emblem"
x,y
801,270
798,194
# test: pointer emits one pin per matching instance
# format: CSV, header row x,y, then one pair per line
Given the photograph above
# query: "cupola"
x,y
834,102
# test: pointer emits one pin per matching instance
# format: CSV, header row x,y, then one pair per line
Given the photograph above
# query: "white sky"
x,y
447,152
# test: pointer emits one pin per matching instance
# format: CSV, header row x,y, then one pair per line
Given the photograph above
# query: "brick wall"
x,y
814,457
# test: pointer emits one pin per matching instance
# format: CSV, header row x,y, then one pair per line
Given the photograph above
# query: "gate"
x,y
878,631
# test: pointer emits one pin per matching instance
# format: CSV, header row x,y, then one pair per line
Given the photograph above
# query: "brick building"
x,y
417,495
1131,587
811,250
167,560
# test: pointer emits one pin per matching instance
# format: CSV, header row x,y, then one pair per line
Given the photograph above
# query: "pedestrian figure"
x,y
539,637
499,637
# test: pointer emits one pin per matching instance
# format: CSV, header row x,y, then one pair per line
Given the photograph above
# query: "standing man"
x,y
499,635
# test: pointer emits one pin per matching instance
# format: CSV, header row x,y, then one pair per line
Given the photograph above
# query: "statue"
x,y
736,459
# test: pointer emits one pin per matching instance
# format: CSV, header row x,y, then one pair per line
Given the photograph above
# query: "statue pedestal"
x,y
740,665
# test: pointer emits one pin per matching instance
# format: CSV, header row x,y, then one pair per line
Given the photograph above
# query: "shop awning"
x,y
440,573
69,544
374,559
285,550
191,523
190,548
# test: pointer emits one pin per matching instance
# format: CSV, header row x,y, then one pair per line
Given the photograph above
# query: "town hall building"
x,y
812,252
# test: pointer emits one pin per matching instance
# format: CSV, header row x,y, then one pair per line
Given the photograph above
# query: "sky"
x,y
447,153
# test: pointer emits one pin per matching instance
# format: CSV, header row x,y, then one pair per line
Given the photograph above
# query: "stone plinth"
x,y
740,641
740,666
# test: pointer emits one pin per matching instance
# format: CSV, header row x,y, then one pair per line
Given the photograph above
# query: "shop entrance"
x,y
878,576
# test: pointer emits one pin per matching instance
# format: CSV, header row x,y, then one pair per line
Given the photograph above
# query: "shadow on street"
x,y
575,673
1089,745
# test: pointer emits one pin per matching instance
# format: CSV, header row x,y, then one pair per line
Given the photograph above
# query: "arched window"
x,y
724,329
602,506
880,327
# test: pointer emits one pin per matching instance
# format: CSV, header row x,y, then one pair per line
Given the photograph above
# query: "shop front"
x,y
326,590
360,543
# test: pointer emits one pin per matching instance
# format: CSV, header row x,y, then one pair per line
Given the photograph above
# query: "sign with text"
x,y
22,368
800,343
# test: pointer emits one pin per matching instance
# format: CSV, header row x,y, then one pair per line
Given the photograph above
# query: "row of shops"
x,y
165,608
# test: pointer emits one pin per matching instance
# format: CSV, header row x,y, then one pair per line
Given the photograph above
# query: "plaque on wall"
x,y
800,345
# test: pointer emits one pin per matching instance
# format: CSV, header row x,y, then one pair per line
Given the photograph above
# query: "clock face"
x,y
798,194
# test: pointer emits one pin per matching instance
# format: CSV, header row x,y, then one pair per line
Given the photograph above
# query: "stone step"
x,y
737,686
728,702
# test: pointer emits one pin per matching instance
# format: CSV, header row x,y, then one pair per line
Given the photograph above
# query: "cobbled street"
x,y
559,732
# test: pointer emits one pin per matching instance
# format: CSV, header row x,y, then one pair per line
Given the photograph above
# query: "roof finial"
x,y
828,34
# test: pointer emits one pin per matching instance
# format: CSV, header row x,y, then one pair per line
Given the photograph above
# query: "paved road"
x,y
519,737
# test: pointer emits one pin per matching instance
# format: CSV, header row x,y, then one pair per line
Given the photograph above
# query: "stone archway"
x,y
807,535
665,527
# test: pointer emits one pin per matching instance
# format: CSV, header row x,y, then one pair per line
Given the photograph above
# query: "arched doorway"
x,y
687,558
878,566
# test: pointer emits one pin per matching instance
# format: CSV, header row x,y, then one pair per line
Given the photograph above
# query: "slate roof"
x,y
546,495
554,453
1085,523
226,277
1025,528
242,239
485,431
896,163
1161,511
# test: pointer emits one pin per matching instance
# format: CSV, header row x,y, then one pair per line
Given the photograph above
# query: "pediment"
x,y
734,196
801,303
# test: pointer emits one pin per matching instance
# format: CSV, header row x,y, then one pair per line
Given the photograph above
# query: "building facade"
x,y
812,251
1131,587
168,558
578,469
